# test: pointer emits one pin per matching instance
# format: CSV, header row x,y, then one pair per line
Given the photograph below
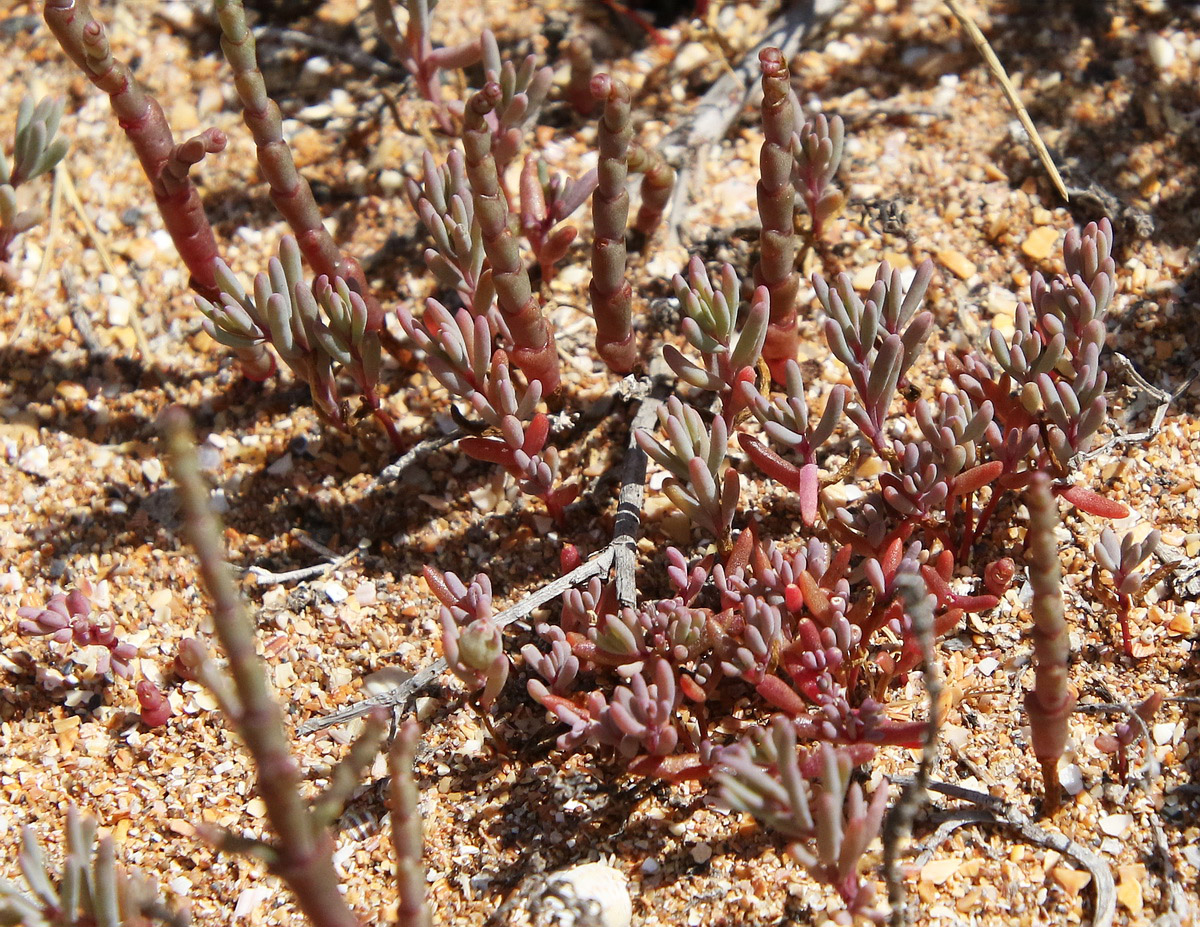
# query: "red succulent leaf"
x,y
745,545
770,463
808,488
489,450
536,433
1092,502
814,597
678,767
977,477
781,695
692,689
569,558
889,560
436,580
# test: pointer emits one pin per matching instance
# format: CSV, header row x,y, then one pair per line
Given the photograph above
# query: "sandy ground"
x,y
85,501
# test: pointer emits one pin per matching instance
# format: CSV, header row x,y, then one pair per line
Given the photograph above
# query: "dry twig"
x,y
1010,92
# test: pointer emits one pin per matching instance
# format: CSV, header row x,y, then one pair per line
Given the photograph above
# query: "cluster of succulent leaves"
x,y
67,619
91,890
36,150
815,627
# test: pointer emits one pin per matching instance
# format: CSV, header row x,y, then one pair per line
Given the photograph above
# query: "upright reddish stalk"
x,y
533,348
165,163
302,854
612,297
776,268
1051,702
658,182
290,192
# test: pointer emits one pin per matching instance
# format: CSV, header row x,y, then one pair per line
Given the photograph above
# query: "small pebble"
x,y
939,871
1073,881
1115,824
391,181
1164,732
1162,52
1129,888
152,470
335,592
957,263
35,461
282,466
1071,779
119,309
1040,243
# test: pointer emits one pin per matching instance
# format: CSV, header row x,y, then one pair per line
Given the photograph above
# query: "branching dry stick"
x,y
396,469
633,486
302,854
290,192
399,697
621,551
1051,701
776,267
349,53
611,294
1106,896
85,42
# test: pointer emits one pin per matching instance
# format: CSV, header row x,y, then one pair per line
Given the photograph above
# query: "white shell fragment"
x,y
591,893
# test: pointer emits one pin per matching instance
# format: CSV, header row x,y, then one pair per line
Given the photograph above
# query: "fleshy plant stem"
x,y
776,209
1051,702
407,841
533,348
303,855
165,163
289,190
612,296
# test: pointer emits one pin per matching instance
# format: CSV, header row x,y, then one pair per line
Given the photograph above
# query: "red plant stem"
x,y
641,21
658,182
384,418
407,840
304,853
579,84
290,192
612,296
533,342
776,268
140,116
1051,701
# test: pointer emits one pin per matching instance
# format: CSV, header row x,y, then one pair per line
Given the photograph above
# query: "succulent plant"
x,y
37,149
471,640
829,825
91,889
